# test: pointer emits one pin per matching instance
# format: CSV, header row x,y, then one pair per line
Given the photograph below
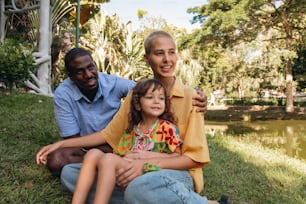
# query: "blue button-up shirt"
x,y
76,114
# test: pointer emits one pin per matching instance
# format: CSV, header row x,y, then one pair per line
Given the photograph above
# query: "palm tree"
x,y
115,47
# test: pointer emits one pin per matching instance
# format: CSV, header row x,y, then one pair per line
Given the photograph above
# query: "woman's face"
x,y
162,58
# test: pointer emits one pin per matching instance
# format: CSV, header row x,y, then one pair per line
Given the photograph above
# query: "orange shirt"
x,y
190,125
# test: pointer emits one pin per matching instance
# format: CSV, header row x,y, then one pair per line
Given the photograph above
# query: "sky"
x,y
174,11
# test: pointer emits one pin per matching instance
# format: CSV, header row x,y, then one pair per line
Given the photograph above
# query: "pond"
x,y
288,136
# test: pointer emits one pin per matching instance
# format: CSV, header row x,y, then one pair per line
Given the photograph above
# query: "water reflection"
x,y
288,136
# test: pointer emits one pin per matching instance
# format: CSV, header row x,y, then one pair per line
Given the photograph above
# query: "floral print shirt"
x,y
162,137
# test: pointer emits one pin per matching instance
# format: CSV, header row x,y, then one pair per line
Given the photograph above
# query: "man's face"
x,y
84,73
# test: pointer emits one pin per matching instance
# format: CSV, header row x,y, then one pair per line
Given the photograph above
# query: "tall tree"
x,y
115,47
229,22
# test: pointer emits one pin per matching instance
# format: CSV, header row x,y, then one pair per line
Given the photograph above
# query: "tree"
x,y
42,79
42,56
115,47
229,22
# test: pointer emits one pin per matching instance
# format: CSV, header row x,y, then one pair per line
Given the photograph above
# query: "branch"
x,y
32,86
40,58
25,8
34,78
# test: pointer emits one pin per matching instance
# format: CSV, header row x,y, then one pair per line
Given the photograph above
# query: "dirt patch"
x,y
252,113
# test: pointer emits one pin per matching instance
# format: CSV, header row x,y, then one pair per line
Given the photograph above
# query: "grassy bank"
x,y
252,113
248,173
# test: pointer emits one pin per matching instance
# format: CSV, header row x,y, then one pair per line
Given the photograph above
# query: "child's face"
x,y
153,103
162,58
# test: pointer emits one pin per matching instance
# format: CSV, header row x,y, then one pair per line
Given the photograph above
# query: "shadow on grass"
x,y
246,181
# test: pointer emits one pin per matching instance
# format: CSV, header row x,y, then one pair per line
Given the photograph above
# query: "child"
x,y
150,128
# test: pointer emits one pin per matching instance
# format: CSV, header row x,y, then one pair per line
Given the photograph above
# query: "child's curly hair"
x,y
139,91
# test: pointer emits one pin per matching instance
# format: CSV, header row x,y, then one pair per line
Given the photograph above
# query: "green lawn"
x,y
248,173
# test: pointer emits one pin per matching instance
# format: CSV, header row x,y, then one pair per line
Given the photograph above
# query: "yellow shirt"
x,y
190,125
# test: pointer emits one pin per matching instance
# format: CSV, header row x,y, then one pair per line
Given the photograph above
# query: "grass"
x,y
248,173
27,123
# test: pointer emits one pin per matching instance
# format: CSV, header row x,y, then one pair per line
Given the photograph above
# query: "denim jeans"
x,y
164,186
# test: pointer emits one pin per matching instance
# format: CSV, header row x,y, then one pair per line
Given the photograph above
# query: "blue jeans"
x,y
164,186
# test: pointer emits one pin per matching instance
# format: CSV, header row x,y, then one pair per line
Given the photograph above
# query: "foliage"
x,y
141,13
188,69
227,23
16,61
115,47
256,101
299,70
149,23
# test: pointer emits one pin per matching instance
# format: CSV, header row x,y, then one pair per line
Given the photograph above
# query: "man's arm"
x,y
200,101
65,119
91,140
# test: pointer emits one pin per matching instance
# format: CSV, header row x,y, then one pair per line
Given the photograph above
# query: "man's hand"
x,y
41,156
200,101
129,172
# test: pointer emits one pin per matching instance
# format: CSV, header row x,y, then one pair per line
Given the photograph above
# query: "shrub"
x,y
249,101
16,61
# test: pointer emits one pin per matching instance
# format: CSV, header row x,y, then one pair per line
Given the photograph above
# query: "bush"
x,y
250,101
15,62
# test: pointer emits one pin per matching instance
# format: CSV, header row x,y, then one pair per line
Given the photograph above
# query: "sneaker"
x,y
224,200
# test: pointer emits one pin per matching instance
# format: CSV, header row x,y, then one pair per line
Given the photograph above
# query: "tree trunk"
x,y
289,76
2,19
289,88
44,70
43,56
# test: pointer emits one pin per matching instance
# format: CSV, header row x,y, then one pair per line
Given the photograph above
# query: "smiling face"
x,y
162,57
153,104
84,73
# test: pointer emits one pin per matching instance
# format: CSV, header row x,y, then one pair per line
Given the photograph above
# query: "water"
x,y
288,136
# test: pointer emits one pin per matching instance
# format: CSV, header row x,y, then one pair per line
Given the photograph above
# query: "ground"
x,y
251,113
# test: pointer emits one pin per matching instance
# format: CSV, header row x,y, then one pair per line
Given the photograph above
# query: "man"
x,y
84,103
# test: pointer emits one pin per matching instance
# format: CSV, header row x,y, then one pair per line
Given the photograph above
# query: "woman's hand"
x,y
200,101
41,156
139,154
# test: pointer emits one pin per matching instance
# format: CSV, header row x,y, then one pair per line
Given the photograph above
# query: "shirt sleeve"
x,y
124,86
116,128
65,119
195,143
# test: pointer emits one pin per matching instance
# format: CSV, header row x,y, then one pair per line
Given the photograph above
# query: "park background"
x,y
242,54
